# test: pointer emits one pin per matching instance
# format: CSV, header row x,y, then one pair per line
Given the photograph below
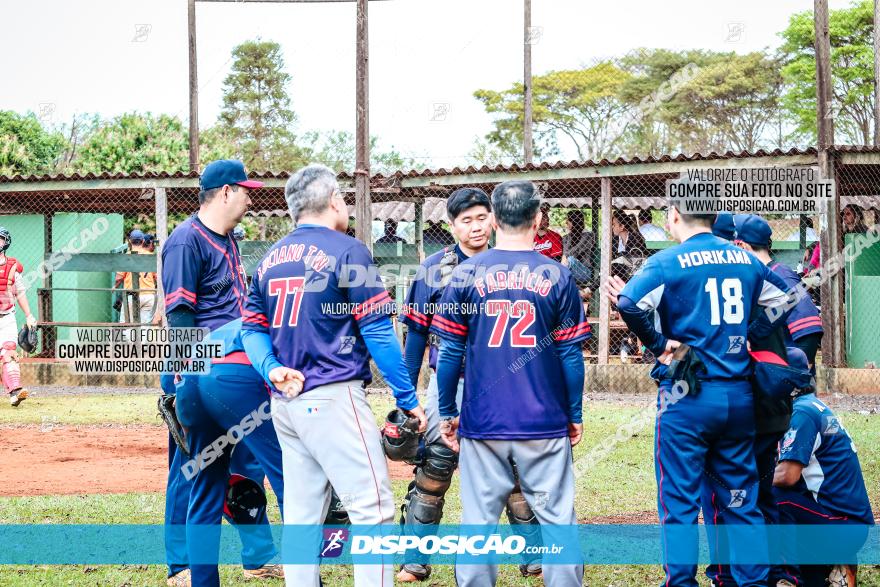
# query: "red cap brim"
x,y
251,184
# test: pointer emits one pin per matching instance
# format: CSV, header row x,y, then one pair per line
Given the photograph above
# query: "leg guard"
x,y
520,514
336,514
11,373
423,504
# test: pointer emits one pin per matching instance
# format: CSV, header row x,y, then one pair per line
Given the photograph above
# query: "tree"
x,y
582,106
728,104
27,148
135,143
256,113
852,72
336,149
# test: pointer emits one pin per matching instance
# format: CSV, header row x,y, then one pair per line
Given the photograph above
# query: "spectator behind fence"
x,y
853,218
137,242
577,248
548,242
390,235
628,241
434,234
649,231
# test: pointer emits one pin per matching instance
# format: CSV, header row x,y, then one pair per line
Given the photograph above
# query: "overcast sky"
x,y
426,58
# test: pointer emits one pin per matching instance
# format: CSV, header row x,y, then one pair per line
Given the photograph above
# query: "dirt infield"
x,y
64,460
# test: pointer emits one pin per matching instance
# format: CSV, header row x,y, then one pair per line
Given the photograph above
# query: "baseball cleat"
x,y
16,398
181,579
531,570
264,572
412,572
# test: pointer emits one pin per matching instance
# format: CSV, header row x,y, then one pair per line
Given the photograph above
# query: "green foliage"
x,y
256,120
336,150
25,146
851,32
135,143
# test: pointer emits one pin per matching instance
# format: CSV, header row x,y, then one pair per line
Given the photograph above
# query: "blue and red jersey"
x,y
512,309
312,292
804,318
202,270
832,475
424,296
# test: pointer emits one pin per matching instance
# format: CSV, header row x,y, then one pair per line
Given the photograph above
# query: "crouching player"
x,y
12,289
819,481
470,216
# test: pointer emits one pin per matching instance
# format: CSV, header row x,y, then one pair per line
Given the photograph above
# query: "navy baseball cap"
x,y
226,172
724,226
136,235
754,230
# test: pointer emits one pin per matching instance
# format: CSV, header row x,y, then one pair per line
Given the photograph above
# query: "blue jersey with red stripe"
x,y
804,317
512,309
311,293
424,295
832,474
202,270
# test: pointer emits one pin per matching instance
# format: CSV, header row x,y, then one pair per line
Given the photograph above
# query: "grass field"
x,y
619,487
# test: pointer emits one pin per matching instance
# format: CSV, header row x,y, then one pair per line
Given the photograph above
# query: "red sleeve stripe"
x,y
450,326
410,310
571,329
255,318
805,323
450,330
581,329
414,316
180,293
807,319
371,304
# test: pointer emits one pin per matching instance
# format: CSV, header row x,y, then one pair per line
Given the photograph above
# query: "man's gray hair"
x,y
515,203
308,191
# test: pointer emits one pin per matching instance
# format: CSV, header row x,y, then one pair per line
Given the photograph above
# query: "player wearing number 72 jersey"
x,y
701,293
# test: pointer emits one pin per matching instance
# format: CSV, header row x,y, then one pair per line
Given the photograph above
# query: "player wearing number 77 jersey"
x,y
701,293
317,305
520,321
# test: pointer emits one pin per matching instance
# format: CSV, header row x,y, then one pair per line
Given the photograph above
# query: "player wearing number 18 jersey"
x,y
520,326
702,293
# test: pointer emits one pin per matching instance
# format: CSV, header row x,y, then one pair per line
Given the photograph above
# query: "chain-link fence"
x,y
89,245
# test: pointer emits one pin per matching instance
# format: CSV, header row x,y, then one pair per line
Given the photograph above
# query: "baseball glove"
x,y
27,339
169,414
686,365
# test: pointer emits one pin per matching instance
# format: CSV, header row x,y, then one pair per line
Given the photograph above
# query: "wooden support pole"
x,y
161,236
527,82
605,271
193,90
833,345
876,73
363,213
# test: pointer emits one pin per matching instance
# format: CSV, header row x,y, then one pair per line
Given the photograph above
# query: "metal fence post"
x,y
162,235
605,272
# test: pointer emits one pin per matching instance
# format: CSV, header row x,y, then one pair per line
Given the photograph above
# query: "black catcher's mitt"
x,y
166,410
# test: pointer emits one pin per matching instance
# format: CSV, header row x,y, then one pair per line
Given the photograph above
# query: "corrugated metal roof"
x,y
513,168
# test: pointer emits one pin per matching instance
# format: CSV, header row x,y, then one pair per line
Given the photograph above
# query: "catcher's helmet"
x,y
245,500
27,339
400,437
7,238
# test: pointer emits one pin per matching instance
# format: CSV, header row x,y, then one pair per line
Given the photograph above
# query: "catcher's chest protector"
x,y
7,275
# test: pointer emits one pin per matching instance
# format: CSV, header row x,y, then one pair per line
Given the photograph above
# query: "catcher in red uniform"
x,y
12,289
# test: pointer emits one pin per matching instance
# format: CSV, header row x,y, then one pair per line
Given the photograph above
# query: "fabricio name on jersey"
x,y
696,258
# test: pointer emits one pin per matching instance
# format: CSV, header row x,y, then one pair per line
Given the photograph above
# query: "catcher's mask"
x,y
245,500
27,339
7,239
400,436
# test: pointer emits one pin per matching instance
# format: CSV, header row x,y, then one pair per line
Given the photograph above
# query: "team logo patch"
x,y
541,498
737,498
311,410
346,345
391,430
832,425
788,439
735,344
334,542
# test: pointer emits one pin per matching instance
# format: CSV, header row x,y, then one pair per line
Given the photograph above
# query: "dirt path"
x,y
59,460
